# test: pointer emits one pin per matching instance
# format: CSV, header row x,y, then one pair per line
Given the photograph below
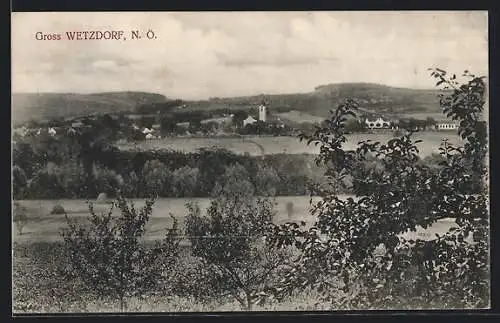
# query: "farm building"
x,y
52,131
249,120
147,131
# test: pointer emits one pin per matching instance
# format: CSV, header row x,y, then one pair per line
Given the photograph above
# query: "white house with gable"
x,y
249,120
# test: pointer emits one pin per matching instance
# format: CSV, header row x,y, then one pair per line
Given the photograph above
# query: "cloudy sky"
x,y
200,55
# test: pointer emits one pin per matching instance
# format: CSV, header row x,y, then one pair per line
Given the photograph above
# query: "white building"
x,y
249,120
262,113
52,131
378,124
446,126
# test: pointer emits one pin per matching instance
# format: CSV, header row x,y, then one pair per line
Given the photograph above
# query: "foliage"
x,y
230,241
156,176
45,184
20,217
107,253
267,181
235,180
58,209
105,181
19,182
341,252
185,182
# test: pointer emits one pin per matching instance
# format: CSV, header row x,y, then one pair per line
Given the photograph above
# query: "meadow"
x,y
268,145
46,227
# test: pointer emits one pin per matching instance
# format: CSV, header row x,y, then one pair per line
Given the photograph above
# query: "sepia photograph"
x,y
180,162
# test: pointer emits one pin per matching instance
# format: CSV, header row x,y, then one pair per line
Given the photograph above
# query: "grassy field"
x,y
255,145
299,116
38,258
46,227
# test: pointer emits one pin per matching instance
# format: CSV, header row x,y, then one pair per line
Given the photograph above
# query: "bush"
x,y
111,260
58,209
230,241
20,217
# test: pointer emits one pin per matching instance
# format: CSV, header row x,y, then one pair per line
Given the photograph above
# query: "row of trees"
x,y
352,255
170,174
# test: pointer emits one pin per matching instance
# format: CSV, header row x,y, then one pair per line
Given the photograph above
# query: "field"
x,y
264,145
46,227
298,117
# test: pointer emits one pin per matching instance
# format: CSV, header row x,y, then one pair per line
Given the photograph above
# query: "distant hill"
x,y
373,98
37,106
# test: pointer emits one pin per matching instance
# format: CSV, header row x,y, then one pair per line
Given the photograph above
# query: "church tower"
x,y
262,112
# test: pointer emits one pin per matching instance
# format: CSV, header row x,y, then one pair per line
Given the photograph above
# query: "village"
x,y
258,120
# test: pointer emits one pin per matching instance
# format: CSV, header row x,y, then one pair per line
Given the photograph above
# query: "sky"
x,y
217,54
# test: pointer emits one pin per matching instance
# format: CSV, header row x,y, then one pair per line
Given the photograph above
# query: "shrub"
x,y
230,241
20,217
58,209
107,254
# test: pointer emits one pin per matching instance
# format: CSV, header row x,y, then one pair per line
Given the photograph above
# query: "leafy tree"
x,y
185,182
108,256
20,217
105,180
430,122
19,182
24,156
235,180
355,254
267,181
156,178
168,125
230,241
238,118
45,184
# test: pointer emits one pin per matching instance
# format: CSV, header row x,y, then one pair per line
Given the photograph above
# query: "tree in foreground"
x,y
355,254
107,253
230,241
